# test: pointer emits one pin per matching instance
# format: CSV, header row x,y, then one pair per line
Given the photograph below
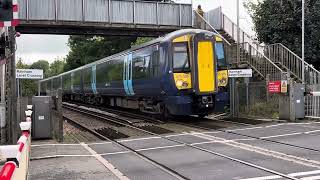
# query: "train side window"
x,y
155,63
138,68
146,66
180,57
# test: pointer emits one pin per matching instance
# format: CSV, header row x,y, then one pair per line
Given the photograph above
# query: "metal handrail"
x,y
286,48
203,19
279,53
266,57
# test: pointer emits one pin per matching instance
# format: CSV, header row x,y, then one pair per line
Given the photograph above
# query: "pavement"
x,y
256,152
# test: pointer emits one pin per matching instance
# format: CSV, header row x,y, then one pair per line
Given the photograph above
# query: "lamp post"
x,y
302,48
238,32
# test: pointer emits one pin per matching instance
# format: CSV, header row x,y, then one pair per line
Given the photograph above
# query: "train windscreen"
x,y
180,57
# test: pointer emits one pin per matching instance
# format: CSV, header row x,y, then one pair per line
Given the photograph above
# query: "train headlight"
x,y
181,83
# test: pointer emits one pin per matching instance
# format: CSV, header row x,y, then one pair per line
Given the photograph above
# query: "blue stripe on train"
x,y
130,75
94,79
125,84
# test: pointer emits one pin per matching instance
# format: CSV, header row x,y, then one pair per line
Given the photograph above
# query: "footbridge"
x,y
104,17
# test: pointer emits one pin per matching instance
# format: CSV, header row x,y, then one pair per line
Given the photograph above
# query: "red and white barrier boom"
x,y
18,156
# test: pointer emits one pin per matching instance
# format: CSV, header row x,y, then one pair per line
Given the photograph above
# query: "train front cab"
x,y
194,73
222,96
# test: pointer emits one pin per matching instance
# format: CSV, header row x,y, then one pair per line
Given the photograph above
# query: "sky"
x,y
31,48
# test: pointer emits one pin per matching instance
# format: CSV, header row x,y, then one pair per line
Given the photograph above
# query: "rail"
x,y
18,156
279,53
131,12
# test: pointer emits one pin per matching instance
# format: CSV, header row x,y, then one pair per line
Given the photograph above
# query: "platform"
x,y
287,148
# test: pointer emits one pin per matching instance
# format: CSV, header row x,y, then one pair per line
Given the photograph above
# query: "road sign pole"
x,y
302,48
238,32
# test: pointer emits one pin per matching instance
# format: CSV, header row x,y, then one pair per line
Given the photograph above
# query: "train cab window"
x,y
220,54
180,57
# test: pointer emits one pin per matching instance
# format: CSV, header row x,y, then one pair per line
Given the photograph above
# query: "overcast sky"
x,y
32,48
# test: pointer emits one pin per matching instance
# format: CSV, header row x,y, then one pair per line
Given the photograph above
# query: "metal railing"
x,y
258,61
207,24
231,28
107,11
279,53
312,106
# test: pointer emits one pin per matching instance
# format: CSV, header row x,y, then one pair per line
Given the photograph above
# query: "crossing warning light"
x,y
8,13
6,10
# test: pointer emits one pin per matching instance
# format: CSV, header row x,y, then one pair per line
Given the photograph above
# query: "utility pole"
x,y
11,111
238,32
302,48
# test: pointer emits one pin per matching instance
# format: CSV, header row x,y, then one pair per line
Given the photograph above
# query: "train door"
x,y
204,69
127,75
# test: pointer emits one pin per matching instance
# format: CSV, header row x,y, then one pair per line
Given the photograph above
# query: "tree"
x,y
87,49
141,40
57,67
42,64
279,21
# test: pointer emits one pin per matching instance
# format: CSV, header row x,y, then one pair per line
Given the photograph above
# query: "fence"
x,y
254,101
107,11
18,156
312,106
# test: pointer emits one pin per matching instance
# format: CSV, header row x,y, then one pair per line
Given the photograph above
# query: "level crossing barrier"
x,y
18,156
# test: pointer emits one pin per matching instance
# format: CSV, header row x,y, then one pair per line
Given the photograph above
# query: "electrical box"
x,y
298,100
41,121
291,106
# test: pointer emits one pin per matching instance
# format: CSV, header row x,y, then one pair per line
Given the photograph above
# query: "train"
x,y
180,74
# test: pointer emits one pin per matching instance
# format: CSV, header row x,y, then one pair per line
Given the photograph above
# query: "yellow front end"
x,y
206,67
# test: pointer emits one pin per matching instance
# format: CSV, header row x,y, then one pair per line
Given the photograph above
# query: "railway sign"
x,y
240,72
29,73
274,86
284,86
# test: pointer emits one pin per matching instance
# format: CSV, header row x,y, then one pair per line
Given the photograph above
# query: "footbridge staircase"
x,y
267,61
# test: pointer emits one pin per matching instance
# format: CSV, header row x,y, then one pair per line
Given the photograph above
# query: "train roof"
x,y
167,37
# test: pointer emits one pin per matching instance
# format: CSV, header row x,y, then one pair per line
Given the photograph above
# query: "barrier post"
x,y
17,169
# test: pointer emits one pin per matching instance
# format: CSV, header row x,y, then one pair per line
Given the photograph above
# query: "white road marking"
x,y
107,164
138,139
263,151
39,145
297,174
311,178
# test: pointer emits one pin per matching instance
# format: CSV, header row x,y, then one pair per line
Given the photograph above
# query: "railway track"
x,y
120,121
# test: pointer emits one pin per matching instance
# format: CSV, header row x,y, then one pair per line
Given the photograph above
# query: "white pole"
x,y
238,32
302,48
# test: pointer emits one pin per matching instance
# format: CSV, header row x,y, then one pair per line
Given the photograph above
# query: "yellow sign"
x,y
223,78
284,86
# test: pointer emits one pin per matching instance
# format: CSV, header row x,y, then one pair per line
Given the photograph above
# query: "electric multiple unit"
x,y
172,75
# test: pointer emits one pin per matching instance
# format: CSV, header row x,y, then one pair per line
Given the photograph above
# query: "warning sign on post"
x,y
284,86
274,86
